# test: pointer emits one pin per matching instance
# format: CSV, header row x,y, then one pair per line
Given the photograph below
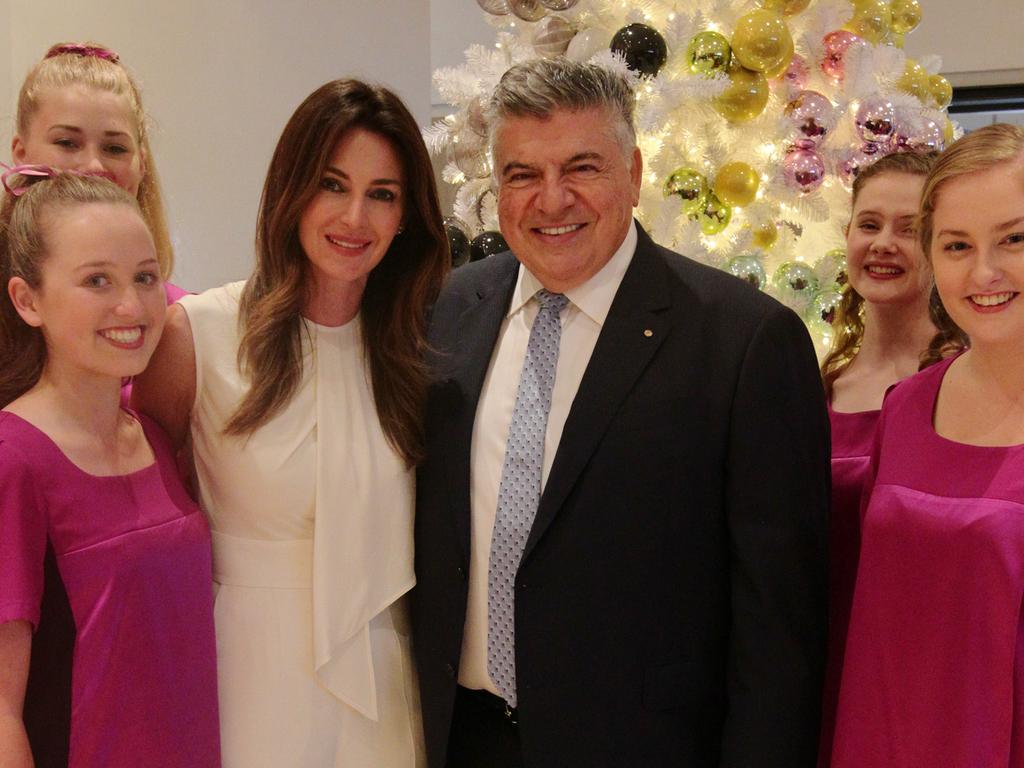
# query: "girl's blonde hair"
x,y
23,221
91,64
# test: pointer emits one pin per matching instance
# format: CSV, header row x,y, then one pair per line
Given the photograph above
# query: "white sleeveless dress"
x,y
311,518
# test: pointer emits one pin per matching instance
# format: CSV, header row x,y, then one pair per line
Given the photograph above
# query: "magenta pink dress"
x,y
114,574
933,673
852,438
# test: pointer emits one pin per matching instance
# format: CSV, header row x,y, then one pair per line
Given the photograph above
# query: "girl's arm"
x,y
15,647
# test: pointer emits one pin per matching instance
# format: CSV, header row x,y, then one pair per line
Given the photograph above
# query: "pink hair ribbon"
x,y
36,171
78,49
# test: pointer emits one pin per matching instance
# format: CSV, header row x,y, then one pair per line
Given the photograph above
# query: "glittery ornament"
x,y
690,187
551,36
761,41
875,119
486,244
475,119
810,112
736,184
872,20
458,240
643,47
795,284
558,5
747,267
788,7
494,7
825,306
745,97
714,216
803,170
708,53
837,44
587,43
765,236
940,91
914,80
906,15
527,10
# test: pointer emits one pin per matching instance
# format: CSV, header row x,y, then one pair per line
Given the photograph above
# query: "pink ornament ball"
x,y
810,113
796,73
927,137
875,119
803,170
837,43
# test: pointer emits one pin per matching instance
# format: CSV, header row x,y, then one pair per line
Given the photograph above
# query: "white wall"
x,y
978,40
220,79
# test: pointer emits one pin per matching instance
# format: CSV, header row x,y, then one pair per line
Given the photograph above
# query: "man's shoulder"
x,y
713,290
479,276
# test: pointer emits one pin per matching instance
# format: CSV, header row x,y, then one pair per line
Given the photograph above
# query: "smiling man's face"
x,y
566,192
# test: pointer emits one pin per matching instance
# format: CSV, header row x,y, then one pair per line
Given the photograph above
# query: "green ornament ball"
x,y
795,284
714,216
747,267
709,53
690,187
825,306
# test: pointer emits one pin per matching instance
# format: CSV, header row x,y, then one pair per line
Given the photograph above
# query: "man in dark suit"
x,y
621,522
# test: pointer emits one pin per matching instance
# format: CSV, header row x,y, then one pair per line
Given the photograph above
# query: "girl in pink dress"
x,y
881,330
80,110
106,625
933,672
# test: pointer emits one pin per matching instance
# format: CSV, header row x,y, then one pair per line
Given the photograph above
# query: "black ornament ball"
x,y
486,244
643,47
458,244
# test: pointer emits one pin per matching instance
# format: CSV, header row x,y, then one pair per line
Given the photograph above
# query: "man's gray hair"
x,y
539,87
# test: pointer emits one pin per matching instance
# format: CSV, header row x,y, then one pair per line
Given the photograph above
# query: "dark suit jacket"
x,y
670,603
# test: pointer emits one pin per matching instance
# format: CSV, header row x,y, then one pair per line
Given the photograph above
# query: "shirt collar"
x,y
593,297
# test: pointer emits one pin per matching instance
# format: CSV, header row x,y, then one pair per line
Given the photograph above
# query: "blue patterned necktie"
x,y
519,491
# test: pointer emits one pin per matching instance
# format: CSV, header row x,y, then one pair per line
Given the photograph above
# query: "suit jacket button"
x,y
462,573
449,670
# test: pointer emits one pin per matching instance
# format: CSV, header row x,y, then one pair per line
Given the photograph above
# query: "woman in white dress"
x,y
300,392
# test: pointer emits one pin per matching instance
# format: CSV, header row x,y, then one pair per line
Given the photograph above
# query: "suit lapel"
x,y
477,332
635,328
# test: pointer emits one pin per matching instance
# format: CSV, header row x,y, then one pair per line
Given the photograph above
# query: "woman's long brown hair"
x,y
398,291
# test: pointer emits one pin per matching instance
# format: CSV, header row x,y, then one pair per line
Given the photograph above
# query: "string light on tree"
x,y
754,118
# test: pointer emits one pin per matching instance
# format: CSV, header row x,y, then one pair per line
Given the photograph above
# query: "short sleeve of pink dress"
x,y
932,673
852,437
129,556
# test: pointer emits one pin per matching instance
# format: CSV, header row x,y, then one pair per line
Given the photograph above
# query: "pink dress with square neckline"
x,y
933,672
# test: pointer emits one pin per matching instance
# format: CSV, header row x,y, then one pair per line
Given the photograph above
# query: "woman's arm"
x,y
166,390
15,647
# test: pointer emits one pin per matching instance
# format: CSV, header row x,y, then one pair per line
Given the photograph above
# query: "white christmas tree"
x,y
753,120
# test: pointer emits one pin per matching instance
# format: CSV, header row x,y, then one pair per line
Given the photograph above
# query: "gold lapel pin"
x,y
648,332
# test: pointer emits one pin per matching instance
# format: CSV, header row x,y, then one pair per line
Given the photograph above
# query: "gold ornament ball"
x,y
940,90
784,63
761,40
714,216
914,80
690,187
788,7
528,10
708,53
872,20
765,236
736,184
906,15
745,97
